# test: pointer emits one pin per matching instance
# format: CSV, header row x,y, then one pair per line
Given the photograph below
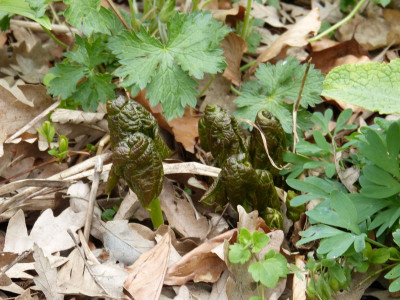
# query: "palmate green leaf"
x,y
373,86
166,69
88,16
238,254
65,80
335,246
80,67
275,83
21,7
269,270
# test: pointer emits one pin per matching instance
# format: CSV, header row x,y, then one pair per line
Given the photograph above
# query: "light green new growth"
x,y
373,86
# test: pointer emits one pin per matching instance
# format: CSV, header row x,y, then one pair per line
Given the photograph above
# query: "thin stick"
x,y
33,122
20,257
116,11
29,192
82,254
98,169
36,27
219,220
104,140
297,105
264,143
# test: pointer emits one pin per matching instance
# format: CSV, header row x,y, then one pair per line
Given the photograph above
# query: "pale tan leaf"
x,y
48,232
63,116
181,215
146,275
124,243
26,295
47,279
295,36
218,291
17,239
299,285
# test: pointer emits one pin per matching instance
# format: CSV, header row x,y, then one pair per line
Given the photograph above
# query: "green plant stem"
x,y
371,241
195,3
340,23
155,212
376,273
54,38
132,7
246,20
235,91
207,86
248,65
146,6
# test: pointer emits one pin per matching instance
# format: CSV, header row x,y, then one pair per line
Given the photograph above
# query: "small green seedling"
x,y
267,271
47,131
62,151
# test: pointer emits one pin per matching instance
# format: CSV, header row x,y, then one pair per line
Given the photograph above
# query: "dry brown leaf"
x,y
219,93
181,215
46,280
74,278
200,264
393,18
342,53
234,47
192,291
185,129
48,232
222,14
268,14
218,291
14,114
371,33
25,295
146,275
299,285
295,36
124,243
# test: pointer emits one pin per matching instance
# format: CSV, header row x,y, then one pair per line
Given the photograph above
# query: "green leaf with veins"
x,y
38,6
80,65
166,69
373,86
275,83
23,8
238,254
88,16
269,270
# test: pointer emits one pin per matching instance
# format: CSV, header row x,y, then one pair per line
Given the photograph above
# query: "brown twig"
x,y
20,257
296,106
82,254
219,220
120,17
98,169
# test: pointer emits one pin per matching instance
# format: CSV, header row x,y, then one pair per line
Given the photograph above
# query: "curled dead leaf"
x,y
234,47
200,264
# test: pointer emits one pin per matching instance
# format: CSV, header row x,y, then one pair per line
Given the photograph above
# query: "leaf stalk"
x,y
338,24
